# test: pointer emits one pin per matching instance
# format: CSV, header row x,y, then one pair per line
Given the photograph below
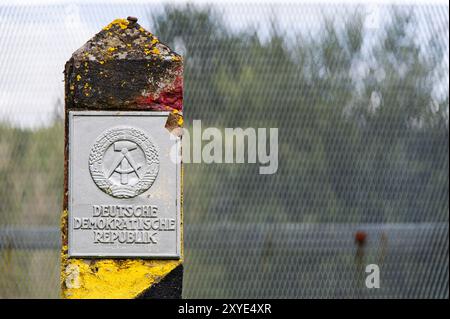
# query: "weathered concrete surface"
x,y
123,67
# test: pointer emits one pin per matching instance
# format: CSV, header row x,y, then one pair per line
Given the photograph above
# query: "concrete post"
x,y
121,231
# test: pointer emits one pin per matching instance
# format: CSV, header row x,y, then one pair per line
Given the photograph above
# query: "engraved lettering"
x,y
96,210
76,223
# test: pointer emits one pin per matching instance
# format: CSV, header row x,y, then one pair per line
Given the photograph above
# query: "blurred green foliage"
x,y
31,175
355,146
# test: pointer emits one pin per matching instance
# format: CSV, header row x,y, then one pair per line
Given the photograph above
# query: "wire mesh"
x,y
360,97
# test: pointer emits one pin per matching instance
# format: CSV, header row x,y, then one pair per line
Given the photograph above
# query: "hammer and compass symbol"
x,y
118,156
125,163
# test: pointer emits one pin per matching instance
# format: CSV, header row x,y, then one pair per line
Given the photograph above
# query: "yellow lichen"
x,y
87,89
64,215
179,117
112,49
176,58
78,77
122,23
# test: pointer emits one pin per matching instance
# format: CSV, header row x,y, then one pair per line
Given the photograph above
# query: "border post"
x,y
121,226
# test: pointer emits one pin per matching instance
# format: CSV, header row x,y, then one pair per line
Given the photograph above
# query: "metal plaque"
x,y
124,185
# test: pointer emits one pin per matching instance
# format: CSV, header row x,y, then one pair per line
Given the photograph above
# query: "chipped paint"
x,y
174,123
169,98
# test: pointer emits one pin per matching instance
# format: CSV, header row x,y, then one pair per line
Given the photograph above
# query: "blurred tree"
x,y
356,154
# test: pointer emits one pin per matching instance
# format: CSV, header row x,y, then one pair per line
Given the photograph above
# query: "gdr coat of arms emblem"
x,y
124,162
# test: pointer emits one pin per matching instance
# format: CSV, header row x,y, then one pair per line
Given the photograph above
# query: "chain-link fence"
x,y
360,97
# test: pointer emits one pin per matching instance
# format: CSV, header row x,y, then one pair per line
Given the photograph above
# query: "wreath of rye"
x,y
101,145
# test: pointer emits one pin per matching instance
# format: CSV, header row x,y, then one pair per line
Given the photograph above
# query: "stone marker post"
x,y
122,223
